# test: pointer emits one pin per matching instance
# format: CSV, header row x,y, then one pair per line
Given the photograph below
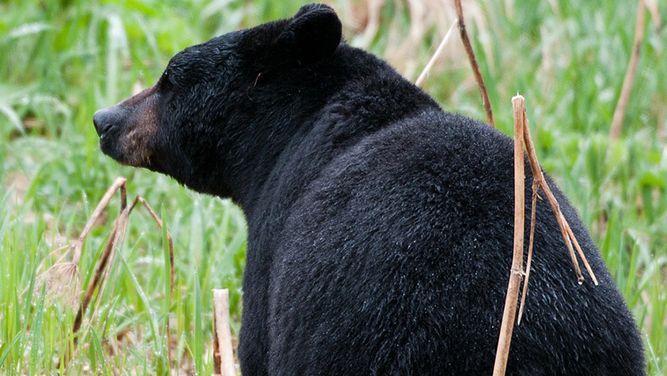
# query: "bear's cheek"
x,y
137,143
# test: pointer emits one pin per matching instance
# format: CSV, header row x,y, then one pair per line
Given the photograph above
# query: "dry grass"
x,y
63,278
628,81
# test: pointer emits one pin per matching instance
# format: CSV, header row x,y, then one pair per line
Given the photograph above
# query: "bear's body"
x,y
380,227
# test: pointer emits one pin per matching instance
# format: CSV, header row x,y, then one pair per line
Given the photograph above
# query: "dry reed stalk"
x,y
619,112
223,355
63,278
170,240
117,233
509,312
523,138
119,184
566,231
436,55
531,242
172,269
652,6
473,63
539,182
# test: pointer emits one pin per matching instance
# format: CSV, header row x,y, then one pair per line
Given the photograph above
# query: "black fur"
x,y
380,226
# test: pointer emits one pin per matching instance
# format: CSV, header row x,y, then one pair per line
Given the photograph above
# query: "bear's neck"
x,y
299,126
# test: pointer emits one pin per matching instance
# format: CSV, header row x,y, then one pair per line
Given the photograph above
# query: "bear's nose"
x,y
104,120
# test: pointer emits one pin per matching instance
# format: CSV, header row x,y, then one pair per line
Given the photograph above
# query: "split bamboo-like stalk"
x,y
223,355
507,325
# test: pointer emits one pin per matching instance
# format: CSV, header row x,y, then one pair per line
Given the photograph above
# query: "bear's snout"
x,y
105,120
127,130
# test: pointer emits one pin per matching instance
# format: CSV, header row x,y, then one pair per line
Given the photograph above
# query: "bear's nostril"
x,y
103,121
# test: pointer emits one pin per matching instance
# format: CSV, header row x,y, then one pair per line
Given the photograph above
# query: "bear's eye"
x,y
165,81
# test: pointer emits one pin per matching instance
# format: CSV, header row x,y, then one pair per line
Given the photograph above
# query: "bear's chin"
x,y
112,149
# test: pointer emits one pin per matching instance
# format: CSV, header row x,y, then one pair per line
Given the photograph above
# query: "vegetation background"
x,y
60,60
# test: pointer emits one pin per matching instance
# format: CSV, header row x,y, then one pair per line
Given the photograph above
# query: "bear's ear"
x,y
312,34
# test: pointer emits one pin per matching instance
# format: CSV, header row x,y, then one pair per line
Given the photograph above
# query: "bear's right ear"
x,y
312,34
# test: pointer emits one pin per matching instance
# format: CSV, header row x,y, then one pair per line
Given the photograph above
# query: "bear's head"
x,y
222,102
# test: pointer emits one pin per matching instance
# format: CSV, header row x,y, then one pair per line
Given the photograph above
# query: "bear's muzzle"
x,y
128,129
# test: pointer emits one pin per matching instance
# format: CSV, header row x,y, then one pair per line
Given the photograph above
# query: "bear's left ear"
x,y
312,34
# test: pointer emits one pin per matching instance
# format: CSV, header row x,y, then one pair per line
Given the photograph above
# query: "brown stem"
x,y
538,176
522,132
509,312
118,230
619,113
172,270
531,240
473,62
581,253
119,183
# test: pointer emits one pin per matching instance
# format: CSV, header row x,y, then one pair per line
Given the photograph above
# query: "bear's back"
x,y
397,254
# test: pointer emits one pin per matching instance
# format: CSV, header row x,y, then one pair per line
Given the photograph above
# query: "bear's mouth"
x,y
108,146
127,129
129,148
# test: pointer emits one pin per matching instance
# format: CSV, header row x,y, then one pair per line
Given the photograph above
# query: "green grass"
x,y
61,60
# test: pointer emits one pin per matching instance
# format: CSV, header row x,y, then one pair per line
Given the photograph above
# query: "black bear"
x,y
380,226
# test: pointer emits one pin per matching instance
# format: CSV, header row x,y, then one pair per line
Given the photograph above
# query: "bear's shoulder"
x,y
429,160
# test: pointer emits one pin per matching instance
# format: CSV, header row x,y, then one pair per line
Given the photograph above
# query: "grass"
x,y
61,60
